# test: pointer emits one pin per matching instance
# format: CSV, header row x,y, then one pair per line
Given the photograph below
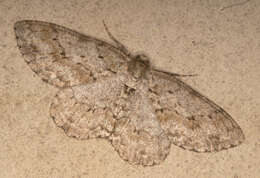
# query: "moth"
x,y
107,92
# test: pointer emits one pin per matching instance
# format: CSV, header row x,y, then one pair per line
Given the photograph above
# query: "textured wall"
x,y
218,40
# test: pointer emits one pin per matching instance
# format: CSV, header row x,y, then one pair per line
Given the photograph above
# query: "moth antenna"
x,y
118,44
176,74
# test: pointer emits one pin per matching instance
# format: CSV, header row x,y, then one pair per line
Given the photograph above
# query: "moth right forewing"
x,y
63,57
191,120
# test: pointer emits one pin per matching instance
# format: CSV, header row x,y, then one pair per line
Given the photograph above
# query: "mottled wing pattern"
x,y
63,57
138,137
67,60
191,120
109,93
88,111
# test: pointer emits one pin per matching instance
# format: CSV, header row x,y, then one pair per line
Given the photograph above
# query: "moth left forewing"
x,y
72,61
63,57
191,120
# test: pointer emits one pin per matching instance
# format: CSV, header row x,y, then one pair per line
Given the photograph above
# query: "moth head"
x,y
138,66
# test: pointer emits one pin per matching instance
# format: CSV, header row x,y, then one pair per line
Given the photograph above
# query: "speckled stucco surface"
x,y
218,40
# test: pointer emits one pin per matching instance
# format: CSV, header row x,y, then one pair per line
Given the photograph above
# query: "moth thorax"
x,y
138,66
